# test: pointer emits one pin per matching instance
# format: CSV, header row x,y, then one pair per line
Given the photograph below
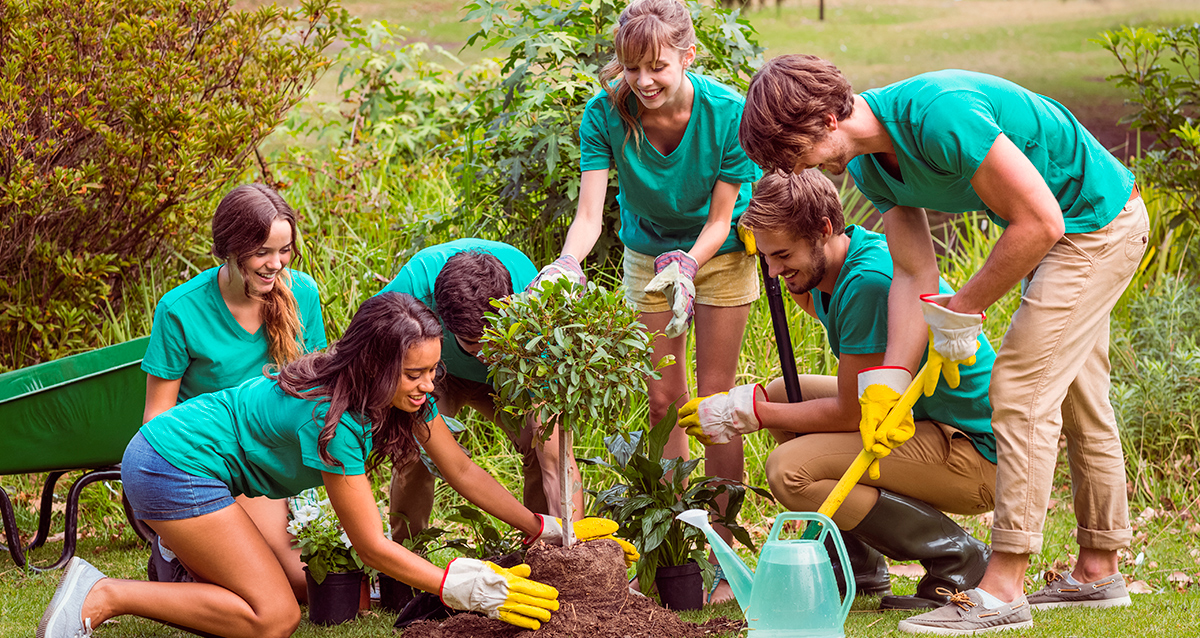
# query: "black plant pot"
x,y
336,599
680,587
393,594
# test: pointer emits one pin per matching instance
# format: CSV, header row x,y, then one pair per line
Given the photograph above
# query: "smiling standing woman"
x,y
684,181
327,418
223,326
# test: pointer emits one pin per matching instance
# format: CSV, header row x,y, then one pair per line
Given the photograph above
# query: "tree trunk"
x,y
566,483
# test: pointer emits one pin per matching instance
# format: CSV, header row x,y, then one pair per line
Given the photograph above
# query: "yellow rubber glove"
x,y
587,529
879,391
502,594
940,366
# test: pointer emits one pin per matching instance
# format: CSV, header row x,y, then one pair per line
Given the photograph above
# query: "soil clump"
x,y
594,600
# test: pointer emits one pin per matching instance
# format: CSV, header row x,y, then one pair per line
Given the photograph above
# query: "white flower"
x,y
346,540
294,528
306,514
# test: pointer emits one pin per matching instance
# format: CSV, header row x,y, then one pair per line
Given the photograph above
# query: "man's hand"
x,y
565,266
879,391
953,340
716,419
588,529
502,594
674,275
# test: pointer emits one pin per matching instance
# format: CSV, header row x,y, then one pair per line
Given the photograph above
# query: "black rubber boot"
x,y
908,529
869,567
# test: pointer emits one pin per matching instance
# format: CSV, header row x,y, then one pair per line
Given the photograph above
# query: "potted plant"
x,y
334,571
649,492
575,355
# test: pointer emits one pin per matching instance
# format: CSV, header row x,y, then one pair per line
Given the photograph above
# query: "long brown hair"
x,y
644,28
241,225
359,374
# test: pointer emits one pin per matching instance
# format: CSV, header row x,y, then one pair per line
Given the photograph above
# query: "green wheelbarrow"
x,y
75,413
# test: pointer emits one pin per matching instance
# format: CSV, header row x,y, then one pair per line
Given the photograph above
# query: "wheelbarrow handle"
x,y
865,457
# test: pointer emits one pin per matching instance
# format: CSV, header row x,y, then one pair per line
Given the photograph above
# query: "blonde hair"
x,y
644,28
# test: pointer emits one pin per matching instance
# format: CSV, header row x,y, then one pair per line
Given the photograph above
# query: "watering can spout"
x,y
740,578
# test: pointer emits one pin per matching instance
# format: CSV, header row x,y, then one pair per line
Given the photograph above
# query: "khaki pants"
x,y
411,492
1051,377
938,465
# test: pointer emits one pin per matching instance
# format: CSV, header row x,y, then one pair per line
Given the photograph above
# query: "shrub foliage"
x,y
116,118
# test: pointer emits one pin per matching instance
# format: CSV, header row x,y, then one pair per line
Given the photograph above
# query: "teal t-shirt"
x,y
855,317
259,440
417,278
664,199
195,338
942,125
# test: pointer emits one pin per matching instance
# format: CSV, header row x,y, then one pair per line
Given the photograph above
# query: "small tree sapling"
x,y
573,355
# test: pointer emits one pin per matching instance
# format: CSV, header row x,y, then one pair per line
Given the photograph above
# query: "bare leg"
x,y
246,593
270,516
672,387
547,456
718,342
1005,575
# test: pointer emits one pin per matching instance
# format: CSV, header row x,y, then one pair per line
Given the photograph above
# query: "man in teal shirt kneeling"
x,y
458,280
842,275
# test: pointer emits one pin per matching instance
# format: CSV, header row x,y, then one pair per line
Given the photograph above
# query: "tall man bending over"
x,y
1075,229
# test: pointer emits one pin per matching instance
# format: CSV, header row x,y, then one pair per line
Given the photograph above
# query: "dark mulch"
x,y
595,602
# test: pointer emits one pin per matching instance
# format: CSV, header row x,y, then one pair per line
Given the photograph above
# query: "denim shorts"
x,y
159,491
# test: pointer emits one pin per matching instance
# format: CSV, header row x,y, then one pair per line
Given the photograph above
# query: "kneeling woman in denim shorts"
x,y
326,418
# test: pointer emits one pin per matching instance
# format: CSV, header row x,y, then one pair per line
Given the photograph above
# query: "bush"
x,y
116,119
512,126
1155,390
1162,70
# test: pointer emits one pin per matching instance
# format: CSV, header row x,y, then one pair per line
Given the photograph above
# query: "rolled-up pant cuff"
x,y
1011,541
1104,539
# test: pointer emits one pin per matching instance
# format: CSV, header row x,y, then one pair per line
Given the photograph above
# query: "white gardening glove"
x,y
502,594
565,266
953,340
675,272
716,419
879,391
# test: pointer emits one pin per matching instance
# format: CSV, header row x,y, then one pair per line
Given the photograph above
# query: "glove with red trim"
x,y
879,391
716,419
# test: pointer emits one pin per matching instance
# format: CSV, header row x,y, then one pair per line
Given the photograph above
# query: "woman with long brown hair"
x,y
224,326
327,418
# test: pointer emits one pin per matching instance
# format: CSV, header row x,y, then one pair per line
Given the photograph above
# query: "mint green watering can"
x,y
794,593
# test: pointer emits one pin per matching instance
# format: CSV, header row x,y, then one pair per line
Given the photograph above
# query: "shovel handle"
x,y
865,457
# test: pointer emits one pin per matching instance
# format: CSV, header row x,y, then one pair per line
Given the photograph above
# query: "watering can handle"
x,y
823,527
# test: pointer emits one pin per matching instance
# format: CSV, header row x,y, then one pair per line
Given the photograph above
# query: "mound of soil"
x,y
594,599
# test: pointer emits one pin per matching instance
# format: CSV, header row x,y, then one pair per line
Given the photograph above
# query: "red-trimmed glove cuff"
x,y
442,585
931,298
754,402
541,519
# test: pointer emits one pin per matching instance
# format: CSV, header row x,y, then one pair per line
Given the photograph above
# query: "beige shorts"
x,y
725,281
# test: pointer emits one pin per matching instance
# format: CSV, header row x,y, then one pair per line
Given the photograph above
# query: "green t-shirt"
x,y
855,317
664,199
259,440
417,278
195,338
942,125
